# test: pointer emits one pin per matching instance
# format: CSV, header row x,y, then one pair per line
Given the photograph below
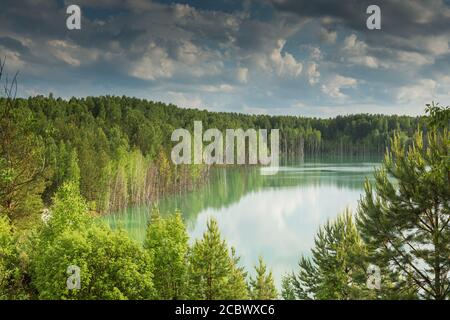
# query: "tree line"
x,y
118,148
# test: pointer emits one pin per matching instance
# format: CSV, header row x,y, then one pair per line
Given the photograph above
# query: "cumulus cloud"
x,y
334,86
154,64
355,51
285,63
198,53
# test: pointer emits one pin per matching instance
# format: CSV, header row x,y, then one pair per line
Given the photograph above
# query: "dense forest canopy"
x,y
118,148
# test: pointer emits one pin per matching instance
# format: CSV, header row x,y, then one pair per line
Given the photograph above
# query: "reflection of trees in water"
x,y
228,186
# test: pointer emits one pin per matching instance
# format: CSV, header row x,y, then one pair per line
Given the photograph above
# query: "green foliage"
x,y
214,274
236,288
287,287
121,145
69,211
111,265
167,242
439,117
22,164
107,153
337,268
405,219
8,259
262,287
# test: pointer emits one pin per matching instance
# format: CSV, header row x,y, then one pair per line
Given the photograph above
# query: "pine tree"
x,y
262,287
213,273
337,268
287,288
167,242
22,159
405,219
237,286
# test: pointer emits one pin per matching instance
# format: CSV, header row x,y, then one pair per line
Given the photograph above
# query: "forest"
x,y
65,162
118,148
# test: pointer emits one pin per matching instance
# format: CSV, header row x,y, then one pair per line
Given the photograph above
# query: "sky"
x,y
291,57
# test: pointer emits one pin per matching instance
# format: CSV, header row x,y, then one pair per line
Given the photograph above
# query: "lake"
x,y
273,216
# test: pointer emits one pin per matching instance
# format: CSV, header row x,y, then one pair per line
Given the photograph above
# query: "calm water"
x,y
273,216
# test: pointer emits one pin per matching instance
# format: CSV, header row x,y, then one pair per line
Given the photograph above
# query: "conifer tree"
x,y
337,268
167,242
262,287
237,286
405,219
213,274
287,288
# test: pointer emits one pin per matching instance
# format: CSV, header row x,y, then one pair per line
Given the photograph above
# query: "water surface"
x,y
273,216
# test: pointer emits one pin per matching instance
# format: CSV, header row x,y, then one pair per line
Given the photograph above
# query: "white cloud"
x,y
419,93
355,52
327,36
435,45
14,60
334,86
184,100
313,73
71,53
222,88
154,64
285,65
188,52
315,53
353,45
368,61
413,58
184,10
242,75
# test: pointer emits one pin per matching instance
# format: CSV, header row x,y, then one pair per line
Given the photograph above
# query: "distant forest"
x,y
118,148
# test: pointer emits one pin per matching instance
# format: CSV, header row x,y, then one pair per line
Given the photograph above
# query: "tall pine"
x,y
404,218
